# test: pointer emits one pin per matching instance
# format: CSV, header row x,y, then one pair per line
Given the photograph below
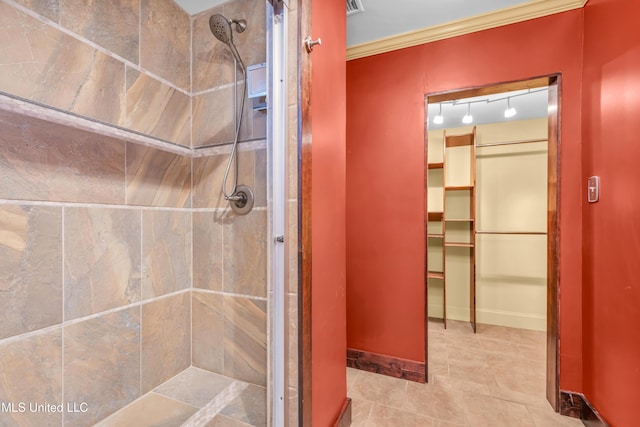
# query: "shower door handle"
x,y
309,43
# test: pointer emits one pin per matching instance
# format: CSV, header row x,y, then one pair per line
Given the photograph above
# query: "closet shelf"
x,y
435,275
465,237
459,245
523,233
435,216
458,187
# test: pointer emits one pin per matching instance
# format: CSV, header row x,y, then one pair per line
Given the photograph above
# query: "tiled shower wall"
x,y
123,62
143,65
97,256
230,291
230,272
95,269
213,74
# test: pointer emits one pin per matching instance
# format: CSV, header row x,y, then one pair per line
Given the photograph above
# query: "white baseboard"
x,y
512,319
493,317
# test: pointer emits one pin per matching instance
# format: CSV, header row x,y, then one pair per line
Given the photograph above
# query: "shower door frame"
x,y
277,113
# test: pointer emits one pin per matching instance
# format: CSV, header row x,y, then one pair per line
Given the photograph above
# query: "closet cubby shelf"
x,y
453,205
16,105
459,245
435,216
459,187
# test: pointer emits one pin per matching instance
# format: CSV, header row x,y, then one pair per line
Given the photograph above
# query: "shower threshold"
x,y
195,398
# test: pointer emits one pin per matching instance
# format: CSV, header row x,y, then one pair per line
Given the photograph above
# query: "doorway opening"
x,y
491,211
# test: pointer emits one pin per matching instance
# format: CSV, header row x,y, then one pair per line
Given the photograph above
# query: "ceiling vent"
x,y
354,6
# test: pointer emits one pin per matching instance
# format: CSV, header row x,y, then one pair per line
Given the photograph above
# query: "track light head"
x,y
510,111
468,118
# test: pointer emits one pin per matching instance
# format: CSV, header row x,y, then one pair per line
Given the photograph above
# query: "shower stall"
x,y
148,214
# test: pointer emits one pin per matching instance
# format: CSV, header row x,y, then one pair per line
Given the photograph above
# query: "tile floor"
x,y
195,398
493,378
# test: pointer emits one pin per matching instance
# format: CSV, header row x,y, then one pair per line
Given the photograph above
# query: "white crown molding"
x,y
510,15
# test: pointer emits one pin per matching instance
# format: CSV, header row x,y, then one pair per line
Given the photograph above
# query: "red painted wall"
x,y
385,174
611,132
329,341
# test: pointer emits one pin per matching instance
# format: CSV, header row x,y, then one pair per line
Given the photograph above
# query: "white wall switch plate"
x,y
593,189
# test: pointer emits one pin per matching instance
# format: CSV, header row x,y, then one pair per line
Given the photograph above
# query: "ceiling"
x,y
384,18
529,104
196,6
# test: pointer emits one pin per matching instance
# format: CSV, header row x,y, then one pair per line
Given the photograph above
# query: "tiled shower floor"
x,y
195,398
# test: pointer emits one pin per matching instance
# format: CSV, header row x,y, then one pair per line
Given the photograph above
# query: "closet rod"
x,y
495,144
532,233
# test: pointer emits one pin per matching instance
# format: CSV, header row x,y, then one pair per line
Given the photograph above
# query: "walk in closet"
x,y
486,223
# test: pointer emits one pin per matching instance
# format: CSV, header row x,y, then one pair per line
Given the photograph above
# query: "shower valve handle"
x,y
309,43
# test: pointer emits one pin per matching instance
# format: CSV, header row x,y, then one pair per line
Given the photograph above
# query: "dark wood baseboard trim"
x,y
386,365
577,406
571,404
344,419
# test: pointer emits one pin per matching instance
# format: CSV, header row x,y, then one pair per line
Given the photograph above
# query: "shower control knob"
x,y
309,43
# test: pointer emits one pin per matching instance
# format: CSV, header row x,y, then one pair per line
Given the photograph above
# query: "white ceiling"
x,y
196,6
485,109
384,18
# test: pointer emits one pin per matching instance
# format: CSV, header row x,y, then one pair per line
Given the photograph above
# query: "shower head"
x,y
221,29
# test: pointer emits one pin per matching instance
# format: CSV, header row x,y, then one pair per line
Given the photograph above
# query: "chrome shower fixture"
x,y
221,28
241,24
241,196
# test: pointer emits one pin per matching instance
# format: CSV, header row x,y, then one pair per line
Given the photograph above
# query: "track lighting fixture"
x,y
468,118
510,111
438,119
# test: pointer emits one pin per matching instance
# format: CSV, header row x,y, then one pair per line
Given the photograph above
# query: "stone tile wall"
x,y
143,65
230,272
124,62
95,270
213,75
98,241
105,244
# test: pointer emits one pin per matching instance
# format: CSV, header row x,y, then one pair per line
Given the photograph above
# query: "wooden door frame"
x,y
304,218
553,202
